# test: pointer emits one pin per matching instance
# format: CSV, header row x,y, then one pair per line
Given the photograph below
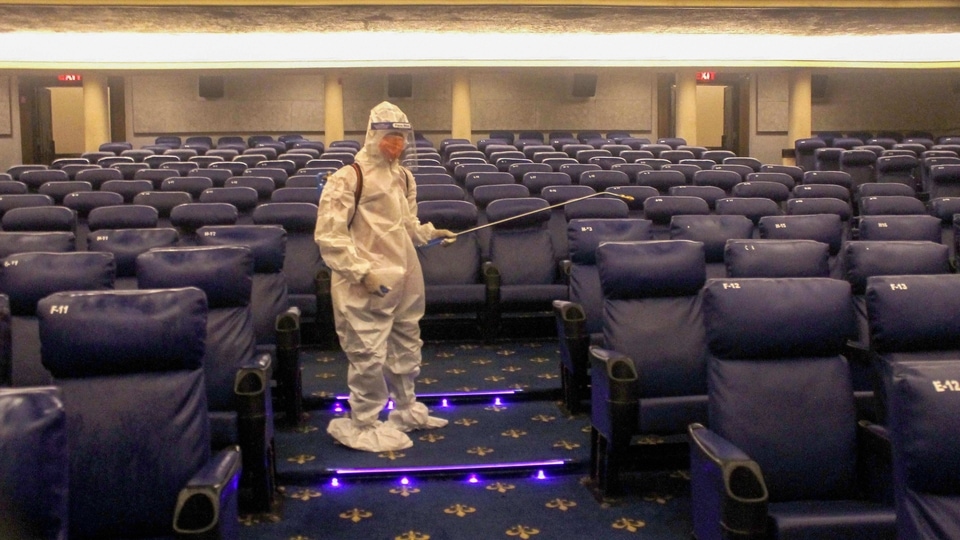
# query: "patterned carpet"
x,y
510,463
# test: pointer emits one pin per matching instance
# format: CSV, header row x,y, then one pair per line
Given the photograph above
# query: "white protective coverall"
x,y
379,331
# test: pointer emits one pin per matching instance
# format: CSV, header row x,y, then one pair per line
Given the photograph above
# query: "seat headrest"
x,y
819,191
757,318
486,195
896,163
944,208
651,269
711,194
90,334
639,193
775,191
85,201
130,216
777,258
820,205
751,207
28,277
453,215
839,178
857,158
22,242
40,219
597,207
534,207
862,259
268,243
826,228
192,216
923,406
887,205
712,230
661,209
292,216
224,273
162,201
558,194
126,244
914,313
894,227
585,235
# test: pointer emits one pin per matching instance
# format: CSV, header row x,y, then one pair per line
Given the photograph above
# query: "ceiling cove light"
x,y
263,50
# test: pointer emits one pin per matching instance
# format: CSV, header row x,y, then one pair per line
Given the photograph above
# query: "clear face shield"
x,y
396,144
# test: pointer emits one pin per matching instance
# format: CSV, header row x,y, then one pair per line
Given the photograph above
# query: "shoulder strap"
x,y
357,194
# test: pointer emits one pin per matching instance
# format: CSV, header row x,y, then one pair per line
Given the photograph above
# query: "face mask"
x,y
391,146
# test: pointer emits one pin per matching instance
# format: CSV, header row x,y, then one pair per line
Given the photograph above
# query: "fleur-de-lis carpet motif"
x,y
526,425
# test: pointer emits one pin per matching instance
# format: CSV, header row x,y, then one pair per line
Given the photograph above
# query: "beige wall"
x,y
888,99
514,99
10,151
66,106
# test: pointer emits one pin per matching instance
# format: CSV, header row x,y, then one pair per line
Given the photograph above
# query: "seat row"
x,y
250,347
753,370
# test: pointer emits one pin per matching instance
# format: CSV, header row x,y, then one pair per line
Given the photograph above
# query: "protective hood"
x,y
386,119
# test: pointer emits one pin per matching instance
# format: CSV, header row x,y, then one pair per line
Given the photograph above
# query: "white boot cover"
x,y
415,416
376,437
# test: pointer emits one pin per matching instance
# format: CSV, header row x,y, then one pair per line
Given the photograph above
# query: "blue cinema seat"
x,y
713,231
923,403
34,464
784,456
649,377
523,263
237,379
776,258
28,277
276,323
455,281
579,319
129,367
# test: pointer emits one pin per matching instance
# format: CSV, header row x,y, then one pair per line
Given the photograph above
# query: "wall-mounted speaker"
x,y
818,88
211,86
584,85
400,85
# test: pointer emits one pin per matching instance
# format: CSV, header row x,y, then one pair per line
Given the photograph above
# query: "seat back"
x,y
900,227
126,244
713,231
584,236
652,315
923,403
302,261
26,278
776,258
23,242
779,389
225,275
132,361
269,294
34,464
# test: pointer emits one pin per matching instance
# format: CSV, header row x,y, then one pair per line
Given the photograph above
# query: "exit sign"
x,y
69,77
706,76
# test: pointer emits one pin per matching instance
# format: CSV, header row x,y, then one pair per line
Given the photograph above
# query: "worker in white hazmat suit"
x,y
367,229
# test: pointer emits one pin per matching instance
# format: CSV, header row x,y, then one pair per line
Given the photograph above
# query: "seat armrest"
x,y
288,376
574,338
324,320
728,494
614,395
574,351
874,462
490,318
564,270
491,278
207,505
255,433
